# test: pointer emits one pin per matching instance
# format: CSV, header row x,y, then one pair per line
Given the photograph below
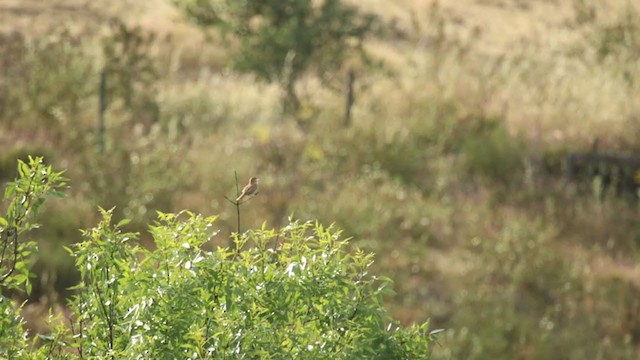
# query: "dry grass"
x,y
521,48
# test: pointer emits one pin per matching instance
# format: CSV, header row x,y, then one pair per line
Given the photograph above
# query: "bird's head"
x,y
253,180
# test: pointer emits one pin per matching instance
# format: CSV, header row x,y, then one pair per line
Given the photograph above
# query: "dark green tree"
x,y
281,40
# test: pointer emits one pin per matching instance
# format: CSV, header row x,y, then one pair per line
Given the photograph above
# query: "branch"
x,y
12,235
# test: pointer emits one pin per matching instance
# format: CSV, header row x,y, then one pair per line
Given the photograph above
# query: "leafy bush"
x,y
493,153
45,81
132,173
8,159
130,71
294,292
25,197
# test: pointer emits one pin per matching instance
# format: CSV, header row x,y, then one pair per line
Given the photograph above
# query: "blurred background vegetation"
x,y
450,168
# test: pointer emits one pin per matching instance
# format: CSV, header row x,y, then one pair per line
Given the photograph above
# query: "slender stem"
x,y
4,237
237,202
103,307
25,204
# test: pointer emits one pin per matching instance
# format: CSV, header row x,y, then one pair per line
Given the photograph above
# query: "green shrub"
x,y
25,197
130,70
8,159
45,82
138,171
493,153
296,292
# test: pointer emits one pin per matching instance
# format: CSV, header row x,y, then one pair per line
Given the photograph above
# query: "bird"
x,y
250,189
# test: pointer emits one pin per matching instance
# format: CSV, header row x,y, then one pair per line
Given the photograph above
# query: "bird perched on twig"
x,y
250,189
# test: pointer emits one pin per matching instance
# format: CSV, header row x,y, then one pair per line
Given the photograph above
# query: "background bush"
x,y
283,40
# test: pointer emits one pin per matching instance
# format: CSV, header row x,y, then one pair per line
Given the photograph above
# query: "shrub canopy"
x,y
299,292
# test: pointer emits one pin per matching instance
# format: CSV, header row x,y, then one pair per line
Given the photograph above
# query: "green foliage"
x,y
295,292
139,171
621,38
50,81
13,338
520,295
130,70
283,40
519,282
25,197
493,153
45,80
134,155
8,159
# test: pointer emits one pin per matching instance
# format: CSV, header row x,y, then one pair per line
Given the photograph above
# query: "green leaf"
x,y
9,191
23,169
123,222
69,250
56,193
28,286
47,337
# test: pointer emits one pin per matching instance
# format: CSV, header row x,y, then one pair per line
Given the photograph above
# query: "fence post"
x,y
351,78
102,108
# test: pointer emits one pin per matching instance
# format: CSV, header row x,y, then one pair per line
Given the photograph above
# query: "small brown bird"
x,y
250,189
